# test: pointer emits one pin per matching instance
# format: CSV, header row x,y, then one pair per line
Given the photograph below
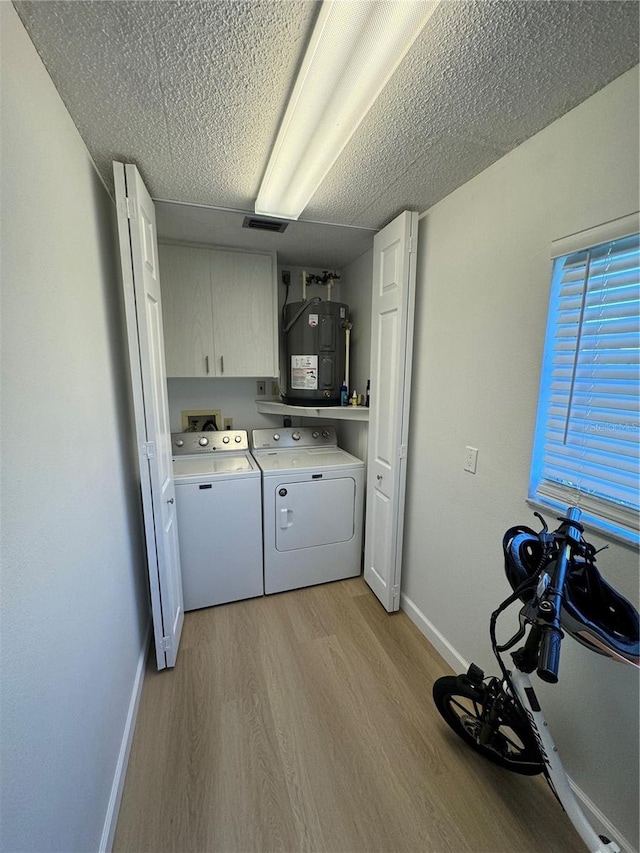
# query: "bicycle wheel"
x,y
512,745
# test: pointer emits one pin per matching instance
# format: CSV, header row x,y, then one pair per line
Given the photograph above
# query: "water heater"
x,y
314,334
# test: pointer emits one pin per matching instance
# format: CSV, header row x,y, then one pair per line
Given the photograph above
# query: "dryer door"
x,y
314,512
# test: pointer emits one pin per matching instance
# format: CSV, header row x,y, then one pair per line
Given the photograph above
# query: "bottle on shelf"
x,y
343,394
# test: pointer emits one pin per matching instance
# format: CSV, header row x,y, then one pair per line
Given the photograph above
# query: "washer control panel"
x,y
288,437
188,443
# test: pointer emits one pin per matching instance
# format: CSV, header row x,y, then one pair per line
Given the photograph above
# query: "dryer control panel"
x,y
287,437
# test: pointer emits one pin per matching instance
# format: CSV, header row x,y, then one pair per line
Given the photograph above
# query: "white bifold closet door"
x,y
141,282
393,300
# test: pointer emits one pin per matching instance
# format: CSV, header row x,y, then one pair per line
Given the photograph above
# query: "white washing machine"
x,y
219,515
312,504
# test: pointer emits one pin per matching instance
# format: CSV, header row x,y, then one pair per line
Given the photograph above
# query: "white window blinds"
x,y
586,449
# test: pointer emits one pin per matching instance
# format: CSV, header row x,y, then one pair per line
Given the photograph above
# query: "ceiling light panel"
x,y
354,50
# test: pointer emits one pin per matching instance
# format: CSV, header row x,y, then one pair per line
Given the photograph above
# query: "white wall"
x,y
357,289
483,285
235,398
74,608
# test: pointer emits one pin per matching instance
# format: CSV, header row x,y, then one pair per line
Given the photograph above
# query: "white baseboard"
x,y
599,822
111,819
437,640
456,661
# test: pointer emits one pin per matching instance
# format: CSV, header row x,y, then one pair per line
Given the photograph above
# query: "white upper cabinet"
x,y
245,313
219,311
186,310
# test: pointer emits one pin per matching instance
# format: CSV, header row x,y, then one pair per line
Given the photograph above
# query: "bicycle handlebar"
x,y
549,658
550,606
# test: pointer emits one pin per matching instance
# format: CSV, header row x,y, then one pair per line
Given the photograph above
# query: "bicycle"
x,y
554,575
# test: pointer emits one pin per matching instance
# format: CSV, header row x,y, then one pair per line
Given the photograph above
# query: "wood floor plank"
x,y
304,722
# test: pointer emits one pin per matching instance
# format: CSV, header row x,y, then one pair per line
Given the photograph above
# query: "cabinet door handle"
x,y
221,364
206,361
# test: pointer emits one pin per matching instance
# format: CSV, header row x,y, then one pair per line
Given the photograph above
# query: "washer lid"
x,y
208,467
306,459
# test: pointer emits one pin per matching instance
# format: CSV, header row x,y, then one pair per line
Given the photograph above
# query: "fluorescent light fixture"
x,y
354,50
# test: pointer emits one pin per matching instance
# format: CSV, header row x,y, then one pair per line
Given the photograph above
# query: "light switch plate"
x,y
470,459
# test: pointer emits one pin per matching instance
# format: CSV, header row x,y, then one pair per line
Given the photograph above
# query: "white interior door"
x,y
394,280
141,281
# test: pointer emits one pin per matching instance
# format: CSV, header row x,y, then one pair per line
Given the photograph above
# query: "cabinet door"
x,y
244,313
186,311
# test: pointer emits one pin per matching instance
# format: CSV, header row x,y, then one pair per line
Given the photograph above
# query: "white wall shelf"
x,y
337,413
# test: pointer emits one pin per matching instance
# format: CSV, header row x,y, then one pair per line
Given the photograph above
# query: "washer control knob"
x,y
315,433
225,439
276,436
282,493
238,439
296,436
325,433
179,442
203,441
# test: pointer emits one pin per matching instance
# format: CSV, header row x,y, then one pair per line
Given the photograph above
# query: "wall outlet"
x,y
470,459
275,388
260,388
228,423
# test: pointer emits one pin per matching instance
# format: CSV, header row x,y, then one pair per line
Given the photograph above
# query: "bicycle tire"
x,y
513,746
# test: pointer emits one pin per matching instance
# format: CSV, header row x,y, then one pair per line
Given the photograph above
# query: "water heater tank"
x,y
315,351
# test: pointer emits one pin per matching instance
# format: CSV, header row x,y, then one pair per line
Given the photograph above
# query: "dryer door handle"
x,y
286,518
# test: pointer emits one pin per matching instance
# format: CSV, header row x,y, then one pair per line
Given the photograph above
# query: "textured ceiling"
x,y
192,92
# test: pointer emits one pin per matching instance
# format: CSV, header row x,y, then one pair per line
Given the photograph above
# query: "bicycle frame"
x,y
554,770
538,578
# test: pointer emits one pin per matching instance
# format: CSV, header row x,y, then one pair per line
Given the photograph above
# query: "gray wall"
x,y
74,611
483,286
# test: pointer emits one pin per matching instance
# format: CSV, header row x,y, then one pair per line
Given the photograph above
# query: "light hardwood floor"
x,y
304,722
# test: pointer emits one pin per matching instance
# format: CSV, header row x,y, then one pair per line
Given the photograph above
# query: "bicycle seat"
x,y
593,612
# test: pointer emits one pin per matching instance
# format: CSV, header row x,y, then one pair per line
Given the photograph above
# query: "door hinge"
x,y
402,451
395,591
411,244
131,212
165,644
149,449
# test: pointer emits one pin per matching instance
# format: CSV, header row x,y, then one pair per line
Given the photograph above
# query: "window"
x,y
586,448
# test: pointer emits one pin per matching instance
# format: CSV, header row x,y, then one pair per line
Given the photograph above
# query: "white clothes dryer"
x,y
312,506
219,516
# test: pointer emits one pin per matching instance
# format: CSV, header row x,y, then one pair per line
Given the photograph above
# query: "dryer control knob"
x,y
276,436
179,443
203,441
282,493
296,436
238,439
315,434
325,433
225,439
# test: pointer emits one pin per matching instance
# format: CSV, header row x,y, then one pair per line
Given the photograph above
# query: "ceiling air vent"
x,y
262,224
